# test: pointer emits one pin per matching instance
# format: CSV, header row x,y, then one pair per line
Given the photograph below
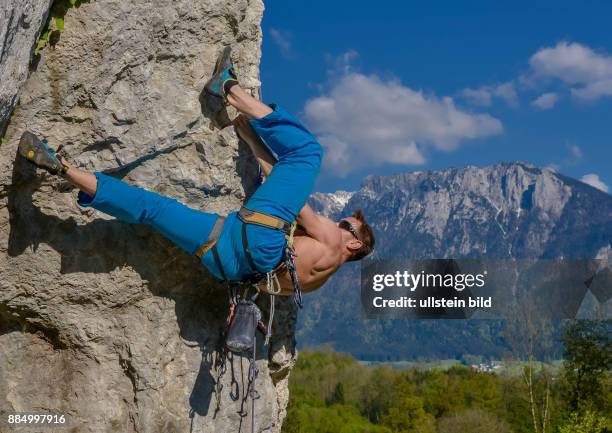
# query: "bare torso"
x,y
315,262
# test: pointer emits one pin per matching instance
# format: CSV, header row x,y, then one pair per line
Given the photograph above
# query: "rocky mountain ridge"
x,y
330,203
502,211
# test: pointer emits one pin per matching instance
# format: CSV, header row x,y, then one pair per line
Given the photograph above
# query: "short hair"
x,y
366,236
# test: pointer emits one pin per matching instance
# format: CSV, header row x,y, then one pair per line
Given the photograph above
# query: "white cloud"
x,y
589,72
483,96
507,92
594,180
545,101
342,64
364,121
594,91
575,152
573,157
283,40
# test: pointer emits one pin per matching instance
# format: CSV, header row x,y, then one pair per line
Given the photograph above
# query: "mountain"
x,y
330,204
504,211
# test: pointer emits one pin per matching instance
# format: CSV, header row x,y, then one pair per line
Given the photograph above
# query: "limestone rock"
x,y
107,322
20,24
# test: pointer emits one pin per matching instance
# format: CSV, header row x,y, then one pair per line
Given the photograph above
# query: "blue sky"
x,y
400,86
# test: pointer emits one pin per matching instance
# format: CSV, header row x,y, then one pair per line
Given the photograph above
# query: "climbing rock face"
x,y
107,322
20,24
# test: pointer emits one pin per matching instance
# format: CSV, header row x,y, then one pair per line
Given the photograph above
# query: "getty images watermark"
x,y
411,282
486,289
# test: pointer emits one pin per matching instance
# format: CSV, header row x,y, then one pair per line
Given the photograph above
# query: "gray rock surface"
x,y
107,322
20,24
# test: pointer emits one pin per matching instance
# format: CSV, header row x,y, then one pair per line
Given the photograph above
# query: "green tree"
x,y
334,419
588,358
442,392
337,396
472,421
516,410
588,422
529,334
407,415
376,398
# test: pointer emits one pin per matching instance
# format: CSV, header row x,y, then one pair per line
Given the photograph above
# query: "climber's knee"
x,y
314,153
310,152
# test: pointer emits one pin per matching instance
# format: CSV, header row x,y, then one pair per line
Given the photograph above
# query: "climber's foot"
x,y
40,154
223,77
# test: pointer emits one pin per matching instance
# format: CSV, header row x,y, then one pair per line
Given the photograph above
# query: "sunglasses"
x,y
345,225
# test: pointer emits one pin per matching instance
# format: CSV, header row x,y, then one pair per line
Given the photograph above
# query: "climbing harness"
x,y
259,218
245,317
212,237
248,216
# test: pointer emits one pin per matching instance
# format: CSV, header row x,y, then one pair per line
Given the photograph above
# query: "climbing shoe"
x,y
40,154
223,77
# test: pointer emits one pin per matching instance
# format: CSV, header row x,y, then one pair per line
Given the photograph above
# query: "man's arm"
x,y
317,226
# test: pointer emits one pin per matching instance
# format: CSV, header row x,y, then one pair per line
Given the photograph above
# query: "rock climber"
x,y
252,242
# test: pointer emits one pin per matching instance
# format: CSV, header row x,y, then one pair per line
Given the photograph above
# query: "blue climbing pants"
x,y
283,195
